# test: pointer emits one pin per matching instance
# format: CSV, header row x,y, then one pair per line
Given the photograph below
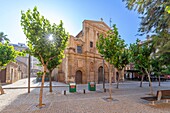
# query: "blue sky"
x,y
72,13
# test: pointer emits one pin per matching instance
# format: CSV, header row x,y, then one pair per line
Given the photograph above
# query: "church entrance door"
x,y
100,75
78,78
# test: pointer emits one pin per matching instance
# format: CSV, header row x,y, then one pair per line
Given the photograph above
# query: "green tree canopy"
x,y
3,37
53,64
7,54
154,14
155,18
38,30
167,9
141,57
113,48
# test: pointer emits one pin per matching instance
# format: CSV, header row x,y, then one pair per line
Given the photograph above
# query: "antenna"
x,y
110,22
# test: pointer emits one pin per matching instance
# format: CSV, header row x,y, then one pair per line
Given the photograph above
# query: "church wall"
x,y
89,61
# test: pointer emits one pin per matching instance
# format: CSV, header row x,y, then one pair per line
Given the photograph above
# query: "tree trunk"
x,y
150,83
119,74
159,80
1,89
42,86
141,80
110,84
50,81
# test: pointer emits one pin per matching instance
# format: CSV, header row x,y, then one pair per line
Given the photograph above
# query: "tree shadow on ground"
x,y
19,101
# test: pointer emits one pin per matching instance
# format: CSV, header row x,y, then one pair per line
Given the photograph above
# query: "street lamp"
x,y
103,75
29,64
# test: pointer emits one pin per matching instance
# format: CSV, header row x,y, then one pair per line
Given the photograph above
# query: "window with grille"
x,y
79,49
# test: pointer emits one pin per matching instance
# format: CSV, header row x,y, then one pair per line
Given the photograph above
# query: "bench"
x,y
161,95
165,95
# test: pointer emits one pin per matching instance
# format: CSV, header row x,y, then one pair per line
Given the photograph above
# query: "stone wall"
x,y
89,62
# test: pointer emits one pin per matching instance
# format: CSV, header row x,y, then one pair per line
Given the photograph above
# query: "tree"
x,y
52,65
154,14
167,9
37,30
155,18
7,54
161,53
161,43
141,57
121,59
135,51
3,37
157,67
112,48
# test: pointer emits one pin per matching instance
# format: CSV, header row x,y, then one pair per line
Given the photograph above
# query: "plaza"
x,y
85,56
126,99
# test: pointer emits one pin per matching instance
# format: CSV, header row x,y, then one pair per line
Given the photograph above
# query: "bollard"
x,y
84,91
64,92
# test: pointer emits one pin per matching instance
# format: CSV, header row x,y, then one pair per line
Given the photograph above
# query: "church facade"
x,y
83,63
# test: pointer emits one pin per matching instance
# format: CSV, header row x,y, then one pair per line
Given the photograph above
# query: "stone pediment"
x,y
98,24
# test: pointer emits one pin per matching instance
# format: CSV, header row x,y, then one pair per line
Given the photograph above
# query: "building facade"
x,y
19,69
24,59
83,63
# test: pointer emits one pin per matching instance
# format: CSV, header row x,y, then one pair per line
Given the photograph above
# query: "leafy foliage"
x,y
167,9
140,55
7,54
112,47
154,14
157,66
3,37
38,30
55,62
161,52
121,59
155,18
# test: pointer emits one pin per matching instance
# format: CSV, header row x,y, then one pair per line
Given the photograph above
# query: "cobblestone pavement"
x,y
126,99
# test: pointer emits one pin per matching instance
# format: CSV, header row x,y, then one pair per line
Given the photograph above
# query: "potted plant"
x,y
39,76
47,77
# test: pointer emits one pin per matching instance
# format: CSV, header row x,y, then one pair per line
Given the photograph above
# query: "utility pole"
x,y
103,76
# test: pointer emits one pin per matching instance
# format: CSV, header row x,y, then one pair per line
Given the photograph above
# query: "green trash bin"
x,y
92,86
72,87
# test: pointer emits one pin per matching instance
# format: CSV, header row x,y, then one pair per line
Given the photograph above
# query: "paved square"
x,y
126,100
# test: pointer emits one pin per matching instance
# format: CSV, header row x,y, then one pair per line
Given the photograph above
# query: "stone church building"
x,y
82,62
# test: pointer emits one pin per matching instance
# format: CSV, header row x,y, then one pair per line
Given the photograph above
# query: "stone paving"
x,y
126,100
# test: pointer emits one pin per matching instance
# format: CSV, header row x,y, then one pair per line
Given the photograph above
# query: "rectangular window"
x,y
79,49
91,44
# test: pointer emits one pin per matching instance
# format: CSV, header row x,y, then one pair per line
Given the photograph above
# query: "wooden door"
x,y
100,75
78,78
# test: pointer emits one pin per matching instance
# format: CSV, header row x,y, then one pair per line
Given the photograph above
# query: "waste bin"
x,y
72,87
92,86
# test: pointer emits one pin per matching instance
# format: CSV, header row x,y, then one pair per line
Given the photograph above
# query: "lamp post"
x,y
29,64
103,75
